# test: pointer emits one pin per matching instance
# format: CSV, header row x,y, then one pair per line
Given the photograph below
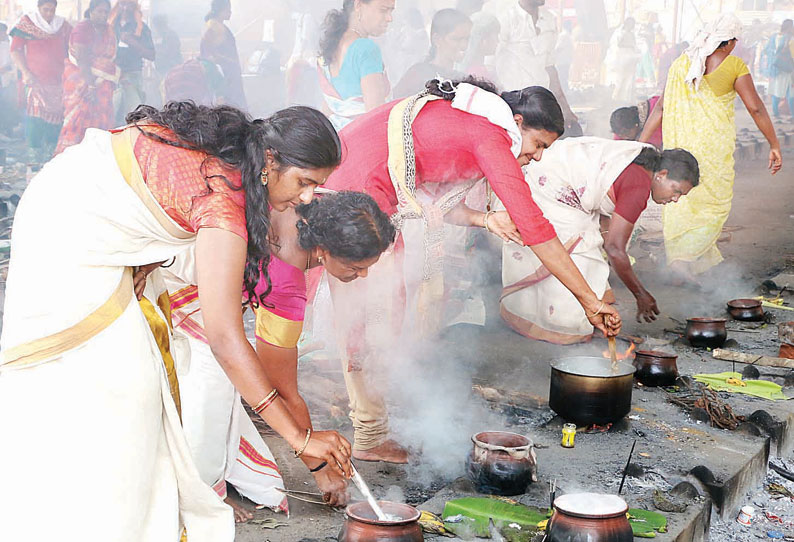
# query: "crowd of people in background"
x,y
58,77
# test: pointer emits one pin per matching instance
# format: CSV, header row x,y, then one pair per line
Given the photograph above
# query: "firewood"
x,y
752,359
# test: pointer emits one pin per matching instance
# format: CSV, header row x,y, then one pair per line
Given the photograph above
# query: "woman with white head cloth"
x,y
699,116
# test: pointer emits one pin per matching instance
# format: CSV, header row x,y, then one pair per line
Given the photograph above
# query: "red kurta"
x,y
451,146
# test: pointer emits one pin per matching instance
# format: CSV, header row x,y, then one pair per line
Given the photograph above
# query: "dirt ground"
x,y
761,246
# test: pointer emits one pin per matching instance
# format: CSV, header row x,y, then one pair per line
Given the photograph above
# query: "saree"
x,y
343,111
571,186
88,103
87,382
702,123
223,440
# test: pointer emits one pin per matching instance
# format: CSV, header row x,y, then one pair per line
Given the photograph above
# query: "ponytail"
x,y
334,27
649,158
297,137
538,107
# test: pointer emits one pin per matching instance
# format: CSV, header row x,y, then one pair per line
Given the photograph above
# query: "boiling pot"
x,y
750,310
589,517
362,525
502,463
706,332
586,390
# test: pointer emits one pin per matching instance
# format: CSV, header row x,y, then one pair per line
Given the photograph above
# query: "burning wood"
x,y
621,355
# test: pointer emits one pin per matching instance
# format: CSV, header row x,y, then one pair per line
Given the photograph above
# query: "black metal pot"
x,y
655,368
706,332
586,391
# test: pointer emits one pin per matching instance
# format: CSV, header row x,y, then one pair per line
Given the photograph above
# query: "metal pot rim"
x,y
475,438
625,369
623,507
387,507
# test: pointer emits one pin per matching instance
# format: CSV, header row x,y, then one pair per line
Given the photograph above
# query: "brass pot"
x,y
362,525
589,517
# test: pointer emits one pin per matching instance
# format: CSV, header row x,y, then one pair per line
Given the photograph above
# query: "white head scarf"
x,y
49,28
725,27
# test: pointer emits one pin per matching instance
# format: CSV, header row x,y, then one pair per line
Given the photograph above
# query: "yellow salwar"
x,y
702,122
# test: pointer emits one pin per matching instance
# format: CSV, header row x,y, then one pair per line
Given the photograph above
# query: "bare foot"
x,y
241,513
388,452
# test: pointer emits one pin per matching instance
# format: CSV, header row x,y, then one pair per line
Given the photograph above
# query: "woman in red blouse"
x,y
469,134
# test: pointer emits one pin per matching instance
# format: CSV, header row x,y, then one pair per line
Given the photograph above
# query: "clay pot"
x,y
706,332
655,368
746,309
502,463
589,517
362,525
586,391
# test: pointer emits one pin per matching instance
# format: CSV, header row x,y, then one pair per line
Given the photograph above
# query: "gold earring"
x,y
263,177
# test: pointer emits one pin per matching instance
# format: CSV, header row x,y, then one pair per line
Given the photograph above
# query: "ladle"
x,y
364,489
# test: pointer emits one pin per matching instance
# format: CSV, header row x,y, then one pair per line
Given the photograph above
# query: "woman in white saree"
x,y
579,180
89,400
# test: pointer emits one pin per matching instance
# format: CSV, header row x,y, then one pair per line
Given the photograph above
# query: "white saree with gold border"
x,y
91,438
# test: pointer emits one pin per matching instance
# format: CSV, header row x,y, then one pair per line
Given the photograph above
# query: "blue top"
x,y
362,58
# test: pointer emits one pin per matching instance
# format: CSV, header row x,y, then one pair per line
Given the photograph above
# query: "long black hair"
x,y
216,7
537,105
297,137
334,27
444,22
93,5
679,163
350,225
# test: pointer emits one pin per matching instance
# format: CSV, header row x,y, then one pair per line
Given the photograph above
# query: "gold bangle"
x,y
596,313
267,401
298,453
485,220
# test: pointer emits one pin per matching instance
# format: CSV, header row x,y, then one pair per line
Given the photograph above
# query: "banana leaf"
x,y
476,512
645,524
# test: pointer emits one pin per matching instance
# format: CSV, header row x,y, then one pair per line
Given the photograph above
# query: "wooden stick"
x,y
752,359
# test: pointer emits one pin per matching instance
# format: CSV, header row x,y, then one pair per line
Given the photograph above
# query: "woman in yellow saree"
x,y
697,114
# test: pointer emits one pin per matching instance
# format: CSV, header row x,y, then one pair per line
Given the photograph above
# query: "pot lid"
x,y
591,505
592,366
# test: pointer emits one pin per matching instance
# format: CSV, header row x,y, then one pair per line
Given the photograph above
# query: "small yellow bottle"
x,y
568,435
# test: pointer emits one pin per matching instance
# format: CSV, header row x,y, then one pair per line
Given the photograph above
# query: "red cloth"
x,y
451,147
632,189
44,53
656,136
178,179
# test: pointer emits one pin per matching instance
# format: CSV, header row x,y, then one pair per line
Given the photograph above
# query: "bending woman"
x,y
697,113
95,369
352,76
345,233
483,135
579,180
